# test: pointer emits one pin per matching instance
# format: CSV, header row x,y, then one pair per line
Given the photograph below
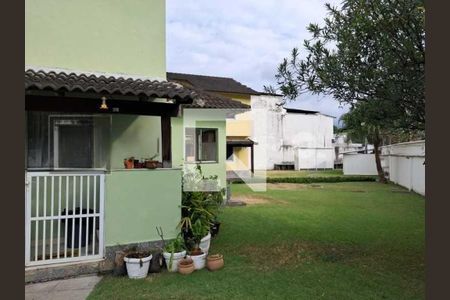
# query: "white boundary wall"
x,y
359,164
404,162
406,165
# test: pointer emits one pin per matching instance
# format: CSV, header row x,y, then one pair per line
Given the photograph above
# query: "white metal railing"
x,y
63,217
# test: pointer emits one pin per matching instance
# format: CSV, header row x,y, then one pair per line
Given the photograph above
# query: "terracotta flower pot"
x,y
186,266
214,262
128,163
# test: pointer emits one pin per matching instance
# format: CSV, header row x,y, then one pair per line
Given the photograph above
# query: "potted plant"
x,y
186,266
151,163
214,262
215,226
200,203
199,230
137,264
173,252
129,162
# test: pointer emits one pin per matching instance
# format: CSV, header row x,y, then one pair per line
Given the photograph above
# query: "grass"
x,y
361,240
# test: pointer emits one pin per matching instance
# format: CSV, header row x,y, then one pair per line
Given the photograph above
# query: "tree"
x,y
367,51
367,121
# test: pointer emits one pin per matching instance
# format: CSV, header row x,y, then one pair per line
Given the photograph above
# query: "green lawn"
x,y
305,173
323,241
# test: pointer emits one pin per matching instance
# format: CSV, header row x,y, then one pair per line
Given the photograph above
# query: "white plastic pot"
x,y
205,243
176,257
199,260
135,268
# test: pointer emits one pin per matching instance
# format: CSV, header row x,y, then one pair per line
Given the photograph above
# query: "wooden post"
x,y
166,137
252,160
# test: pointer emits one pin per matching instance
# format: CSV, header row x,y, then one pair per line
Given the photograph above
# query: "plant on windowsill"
x,y
129,162
151,163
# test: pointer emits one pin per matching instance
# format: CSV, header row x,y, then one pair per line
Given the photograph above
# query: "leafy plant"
x,y
153,157
175,245
199,230
201,201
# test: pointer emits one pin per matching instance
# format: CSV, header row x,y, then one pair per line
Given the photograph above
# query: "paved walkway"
x,y
73,288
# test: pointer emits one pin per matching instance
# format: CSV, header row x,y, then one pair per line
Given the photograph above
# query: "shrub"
x,y
318,179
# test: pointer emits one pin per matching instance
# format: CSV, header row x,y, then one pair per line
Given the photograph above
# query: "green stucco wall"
x,y
136,136
112,36
139,200
206,119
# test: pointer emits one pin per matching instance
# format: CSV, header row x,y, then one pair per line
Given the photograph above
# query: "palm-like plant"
x,y
199,204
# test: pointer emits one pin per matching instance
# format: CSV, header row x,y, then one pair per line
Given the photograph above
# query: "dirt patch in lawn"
x,y
286,186
294,254
251,200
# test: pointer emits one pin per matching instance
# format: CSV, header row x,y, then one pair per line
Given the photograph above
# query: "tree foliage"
x,y
366,51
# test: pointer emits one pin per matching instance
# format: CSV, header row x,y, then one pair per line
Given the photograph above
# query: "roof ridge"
x,y
211,76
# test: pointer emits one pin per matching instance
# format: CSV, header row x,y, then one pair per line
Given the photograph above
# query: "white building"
x,y
302,139
342,144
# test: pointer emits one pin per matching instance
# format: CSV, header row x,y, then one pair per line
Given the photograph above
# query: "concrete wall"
x,y
313,158
267,132
308,130
359,164
112,36
138,136
136,201
405,164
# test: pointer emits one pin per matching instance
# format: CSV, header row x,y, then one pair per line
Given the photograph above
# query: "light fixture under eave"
x,y
103,105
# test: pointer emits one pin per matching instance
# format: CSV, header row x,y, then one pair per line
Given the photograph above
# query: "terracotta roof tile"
x,y
211,83
61,81
210,100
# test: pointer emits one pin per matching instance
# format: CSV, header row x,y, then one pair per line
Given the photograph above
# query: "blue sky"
x,y
242,39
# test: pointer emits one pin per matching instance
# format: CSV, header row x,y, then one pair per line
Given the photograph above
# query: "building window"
x,y
230,153
201,145
67,141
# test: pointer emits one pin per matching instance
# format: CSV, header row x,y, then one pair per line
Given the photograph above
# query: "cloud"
x,y
242,39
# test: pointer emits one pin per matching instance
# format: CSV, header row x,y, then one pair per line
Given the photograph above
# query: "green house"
x,y
107,135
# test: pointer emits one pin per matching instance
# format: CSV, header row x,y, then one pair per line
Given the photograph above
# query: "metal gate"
x,y
63,217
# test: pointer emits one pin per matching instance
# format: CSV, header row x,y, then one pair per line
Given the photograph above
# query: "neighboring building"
x,y
290,138
268,136
239,128
342,144
96,93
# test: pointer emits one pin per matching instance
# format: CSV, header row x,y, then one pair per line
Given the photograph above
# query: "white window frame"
x,y
198,149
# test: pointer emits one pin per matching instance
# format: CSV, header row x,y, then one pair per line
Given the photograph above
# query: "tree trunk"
x,y
376,148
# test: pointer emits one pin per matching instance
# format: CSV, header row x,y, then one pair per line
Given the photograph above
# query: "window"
x,y
56,141
230,153
201,145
